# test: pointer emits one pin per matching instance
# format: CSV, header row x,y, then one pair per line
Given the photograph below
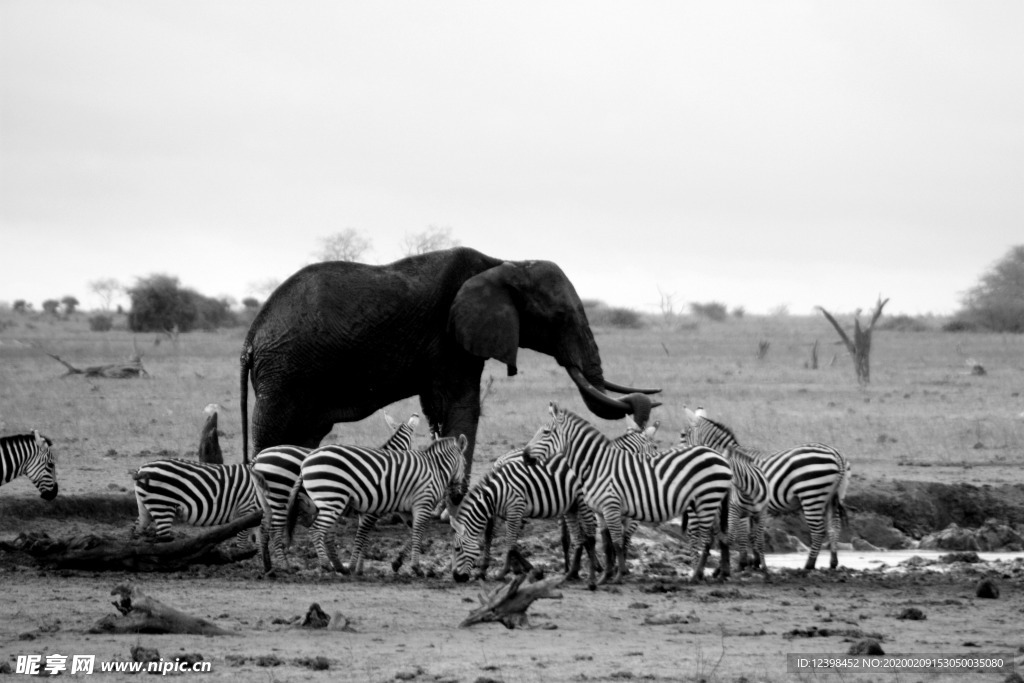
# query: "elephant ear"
x,y
484,320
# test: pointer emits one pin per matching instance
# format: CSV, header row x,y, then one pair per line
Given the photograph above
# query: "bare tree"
x,y
106,289
433,238
264,288
860,346
347,245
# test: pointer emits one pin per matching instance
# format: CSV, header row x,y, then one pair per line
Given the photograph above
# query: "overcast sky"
x,y
757,153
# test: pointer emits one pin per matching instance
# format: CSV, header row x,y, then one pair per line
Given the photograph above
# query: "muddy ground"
x,y
655,626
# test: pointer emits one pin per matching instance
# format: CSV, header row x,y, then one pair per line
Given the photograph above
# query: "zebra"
x,y
280,467
515,491
375,482
635,439
29,454
618,484
812,478
750,485
202,494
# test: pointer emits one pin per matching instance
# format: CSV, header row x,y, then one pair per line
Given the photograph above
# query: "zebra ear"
x,y
389,421
690,416
413,420
631,425
463,443
553,409
652,429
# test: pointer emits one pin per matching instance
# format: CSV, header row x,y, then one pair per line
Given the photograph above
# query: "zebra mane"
x,y
20,438
721,427
586,425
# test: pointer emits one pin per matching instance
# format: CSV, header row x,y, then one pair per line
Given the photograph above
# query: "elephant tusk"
x,y
621,389
598,403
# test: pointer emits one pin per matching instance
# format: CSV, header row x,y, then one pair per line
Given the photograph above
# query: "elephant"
x,y
339,340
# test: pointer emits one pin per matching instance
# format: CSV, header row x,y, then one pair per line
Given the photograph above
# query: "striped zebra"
x,y
635,440
812,478
375,482
514,492
281,468
29,454
201,494
618,484
750,487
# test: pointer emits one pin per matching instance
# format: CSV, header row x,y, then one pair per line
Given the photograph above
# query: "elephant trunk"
x,y
607,407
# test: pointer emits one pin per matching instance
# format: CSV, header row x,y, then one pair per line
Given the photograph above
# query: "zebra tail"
x,y
259,485
840,495
292,517
723,513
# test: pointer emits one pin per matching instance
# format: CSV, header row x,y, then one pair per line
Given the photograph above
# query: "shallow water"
x,y
853,559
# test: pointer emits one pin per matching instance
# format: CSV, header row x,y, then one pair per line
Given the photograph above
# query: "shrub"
x,y
101,323
904,323
996,303
712,311
160,304
624,318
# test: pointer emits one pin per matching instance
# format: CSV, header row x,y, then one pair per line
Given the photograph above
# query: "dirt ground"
x,y
654,626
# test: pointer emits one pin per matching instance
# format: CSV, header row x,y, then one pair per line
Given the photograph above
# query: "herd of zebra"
x,y
568,470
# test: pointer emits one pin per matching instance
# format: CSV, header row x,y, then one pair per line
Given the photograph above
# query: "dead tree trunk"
x,y
209,441
101,553
860,346
131,368
508,603
141,613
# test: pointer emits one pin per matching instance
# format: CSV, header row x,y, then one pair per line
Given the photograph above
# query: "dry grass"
x,y
922,412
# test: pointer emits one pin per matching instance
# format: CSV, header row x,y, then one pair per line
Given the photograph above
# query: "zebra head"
x,y
465,547
41,466
548,441
448,453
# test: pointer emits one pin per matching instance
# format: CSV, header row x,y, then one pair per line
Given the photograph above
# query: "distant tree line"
x,y
161,304
996,303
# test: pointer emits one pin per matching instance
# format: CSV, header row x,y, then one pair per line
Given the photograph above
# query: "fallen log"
x,y
106,553
130,369
141,613
507,604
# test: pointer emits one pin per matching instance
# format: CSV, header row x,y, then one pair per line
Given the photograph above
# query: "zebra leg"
x,y
726,540
757,522
144,520
567,545
485,555
321,535
612,515
571,525
513,527
162,518
833,538
419,524
705,531
366,524
814,515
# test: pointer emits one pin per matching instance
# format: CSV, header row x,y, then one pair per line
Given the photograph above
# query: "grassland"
x,y
924,416
923,413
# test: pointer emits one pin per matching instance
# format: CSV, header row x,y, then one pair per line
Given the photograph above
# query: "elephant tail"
x,y
246,364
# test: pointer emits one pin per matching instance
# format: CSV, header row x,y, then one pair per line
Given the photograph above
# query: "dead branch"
x,y
132,368
209,440
508,603
105,553
141,613
860,346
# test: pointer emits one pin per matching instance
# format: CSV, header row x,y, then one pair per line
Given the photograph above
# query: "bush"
x,y
996,303
904,323
160,305
101,323
623,318
712,311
